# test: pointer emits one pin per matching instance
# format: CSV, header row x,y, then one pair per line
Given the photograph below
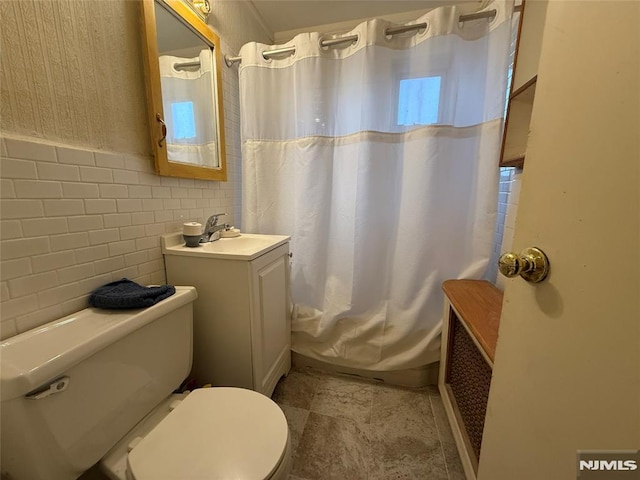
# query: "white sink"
x,y
245,247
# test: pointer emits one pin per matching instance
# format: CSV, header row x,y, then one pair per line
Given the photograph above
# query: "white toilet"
x,y
96,386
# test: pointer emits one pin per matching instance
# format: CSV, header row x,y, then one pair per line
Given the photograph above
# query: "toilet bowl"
x,y
212,433
96,386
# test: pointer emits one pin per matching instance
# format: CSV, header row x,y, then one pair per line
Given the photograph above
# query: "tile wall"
x,y
74,219
509,192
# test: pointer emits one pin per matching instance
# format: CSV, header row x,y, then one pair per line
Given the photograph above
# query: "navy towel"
x,y
128,294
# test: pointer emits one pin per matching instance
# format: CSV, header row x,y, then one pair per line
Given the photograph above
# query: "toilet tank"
x,y
72,388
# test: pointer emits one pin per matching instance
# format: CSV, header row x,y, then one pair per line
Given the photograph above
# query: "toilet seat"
x,y
215,433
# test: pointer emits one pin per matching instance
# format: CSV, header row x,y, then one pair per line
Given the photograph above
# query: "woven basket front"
x,y
469,377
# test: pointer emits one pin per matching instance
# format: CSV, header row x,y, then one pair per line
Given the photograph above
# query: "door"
x,y
567,365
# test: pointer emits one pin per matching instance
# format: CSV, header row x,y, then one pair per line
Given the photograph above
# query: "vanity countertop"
x,y
247,246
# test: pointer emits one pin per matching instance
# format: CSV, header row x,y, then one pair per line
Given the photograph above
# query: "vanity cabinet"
x,y
469,336
242,326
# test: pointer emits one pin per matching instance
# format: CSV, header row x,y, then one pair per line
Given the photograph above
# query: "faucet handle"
x,y
213,219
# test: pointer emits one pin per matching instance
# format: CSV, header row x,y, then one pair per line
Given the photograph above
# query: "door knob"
x,y
532,264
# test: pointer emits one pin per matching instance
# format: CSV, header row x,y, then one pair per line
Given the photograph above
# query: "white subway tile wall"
x,y
232,135
509,193
74,219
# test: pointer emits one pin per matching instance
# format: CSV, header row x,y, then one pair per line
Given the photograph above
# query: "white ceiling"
x,y
285,15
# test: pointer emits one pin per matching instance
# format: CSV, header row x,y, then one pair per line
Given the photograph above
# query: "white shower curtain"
x,y
380,160
187,101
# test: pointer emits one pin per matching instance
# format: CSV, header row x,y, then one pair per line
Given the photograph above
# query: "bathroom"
x,y
82,206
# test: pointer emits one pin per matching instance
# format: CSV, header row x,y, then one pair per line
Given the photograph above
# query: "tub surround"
x,y
410,377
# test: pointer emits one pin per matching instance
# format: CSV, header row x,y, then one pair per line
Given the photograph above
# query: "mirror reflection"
x,y
187,73
182,61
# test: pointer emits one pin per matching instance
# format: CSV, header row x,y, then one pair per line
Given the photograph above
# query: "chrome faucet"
x,y
212,229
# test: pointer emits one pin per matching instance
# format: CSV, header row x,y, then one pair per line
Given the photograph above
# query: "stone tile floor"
x,y
346,427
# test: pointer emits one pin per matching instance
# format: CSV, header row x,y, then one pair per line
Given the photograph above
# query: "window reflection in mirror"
x,y
184,91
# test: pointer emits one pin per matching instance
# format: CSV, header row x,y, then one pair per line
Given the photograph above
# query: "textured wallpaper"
x,y
72,71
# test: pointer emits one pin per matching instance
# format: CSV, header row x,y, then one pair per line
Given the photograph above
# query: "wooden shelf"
x,y
514,143
479,304
525,91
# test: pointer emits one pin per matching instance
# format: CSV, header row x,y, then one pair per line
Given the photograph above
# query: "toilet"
x,y
96,387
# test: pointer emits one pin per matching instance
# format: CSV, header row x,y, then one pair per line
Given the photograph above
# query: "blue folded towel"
x,y
128,294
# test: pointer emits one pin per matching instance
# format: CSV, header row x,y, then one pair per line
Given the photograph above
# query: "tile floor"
x,y
347,428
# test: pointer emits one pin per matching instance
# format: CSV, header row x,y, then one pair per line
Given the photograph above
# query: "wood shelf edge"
x,y
513,162
478,304
523,88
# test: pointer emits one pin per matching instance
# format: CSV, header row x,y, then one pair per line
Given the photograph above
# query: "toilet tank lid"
x,y
32,358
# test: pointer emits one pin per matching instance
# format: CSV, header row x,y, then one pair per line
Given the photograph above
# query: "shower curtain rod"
x,y
186,65
490,14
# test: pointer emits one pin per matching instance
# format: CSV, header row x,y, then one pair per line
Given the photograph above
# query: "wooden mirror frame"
x,y
522,94
504,161
150,55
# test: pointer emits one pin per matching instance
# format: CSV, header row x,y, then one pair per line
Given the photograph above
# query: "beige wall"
x,y
72,72
80,202
238,22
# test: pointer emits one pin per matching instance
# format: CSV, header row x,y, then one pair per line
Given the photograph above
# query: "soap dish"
x,y
231,233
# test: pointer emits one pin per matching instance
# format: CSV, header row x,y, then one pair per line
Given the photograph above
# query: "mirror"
x,y
523,87
184,91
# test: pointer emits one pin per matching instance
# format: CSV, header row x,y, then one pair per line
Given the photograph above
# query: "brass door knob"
x,y
532,264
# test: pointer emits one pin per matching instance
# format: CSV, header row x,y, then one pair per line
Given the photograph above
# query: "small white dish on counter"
x,y
231,233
